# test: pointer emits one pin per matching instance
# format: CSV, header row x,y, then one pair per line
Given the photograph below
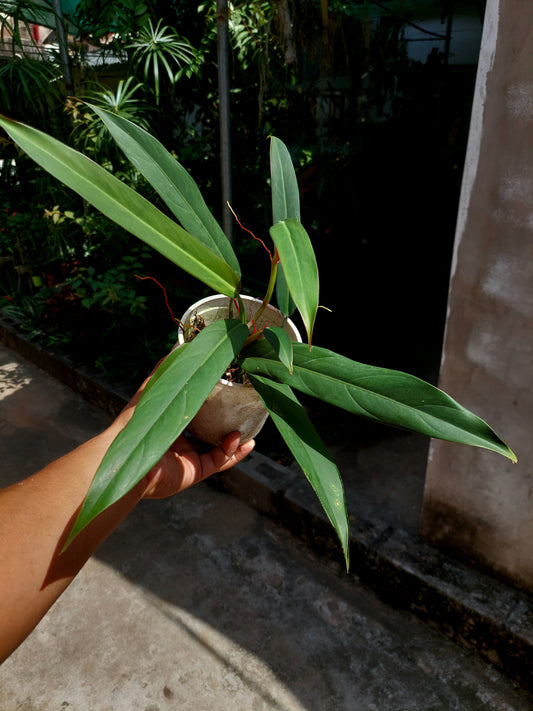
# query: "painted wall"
x,y
476,503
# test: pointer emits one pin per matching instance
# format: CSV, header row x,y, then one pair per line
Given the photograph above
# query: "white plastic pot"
x,y
232,406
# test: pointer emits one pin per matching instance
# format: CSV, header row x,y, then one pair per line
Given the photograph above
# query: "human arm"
x,y
37,513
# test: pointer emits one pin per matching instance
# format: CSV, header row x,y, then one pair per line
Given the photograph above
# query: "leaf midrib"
x,y
424,416
161,413
166,174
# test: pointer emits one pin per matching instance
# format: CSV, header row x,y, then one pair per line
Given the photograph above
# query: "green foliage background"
x,y
378,141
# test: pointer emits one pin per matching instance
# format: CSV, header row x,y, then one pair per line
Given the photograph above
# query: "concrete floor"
x,y
200,603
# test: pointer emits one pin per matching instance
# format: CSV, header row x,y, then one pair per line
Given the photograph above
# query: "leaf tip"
x,y
71,536
346,553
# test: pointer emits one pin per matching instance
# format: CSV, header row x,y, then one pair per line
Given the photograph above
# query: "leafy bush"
x,y
79,284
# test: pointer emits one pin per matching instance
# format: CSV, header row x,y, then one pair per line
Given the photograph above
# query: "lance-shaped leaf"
x,y
283,297
169,402
281,343
284,185
309,451
124,206
379,394
285,204
298,262
171,181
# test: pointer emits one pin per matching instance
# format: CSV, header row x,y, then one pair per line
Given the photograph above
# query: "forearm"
x,y
35,519
37,514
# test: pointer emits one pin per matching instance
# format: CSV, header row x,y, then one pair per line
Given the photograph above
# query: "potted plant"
x,y
270,360
234,403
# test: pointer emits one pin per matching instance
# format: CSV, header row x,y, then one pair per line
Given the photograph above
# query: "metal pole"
x,y
449,23
63,45
224,114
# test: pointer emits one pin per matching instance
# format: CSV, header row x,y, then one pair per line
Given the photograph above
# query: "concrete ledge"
x,y
95,390
482,613
473,608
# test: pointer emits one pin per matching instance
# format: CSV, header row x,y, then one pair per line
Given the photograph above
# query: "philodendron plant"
x,y
271,362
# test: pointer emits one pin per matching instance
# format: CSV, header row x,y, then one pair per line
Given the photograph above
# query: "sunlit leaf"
x,y
171,181
124,206
169,402
379,394
284,185
285,204
297,259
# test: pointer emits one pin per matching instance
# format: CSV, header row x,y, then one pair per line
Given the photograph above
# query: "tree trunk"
x,y
285,23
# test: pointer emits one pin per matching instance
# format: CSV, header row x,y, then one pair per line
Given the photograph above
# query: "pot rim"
x,y
206,301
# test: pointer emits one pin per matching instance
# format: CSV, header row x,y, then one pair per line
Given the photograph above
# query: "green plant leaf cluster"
x,y
275,367
155,50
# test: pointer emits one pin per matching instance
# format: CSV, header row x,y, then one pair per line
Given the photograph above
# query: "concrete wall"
x,y
476,503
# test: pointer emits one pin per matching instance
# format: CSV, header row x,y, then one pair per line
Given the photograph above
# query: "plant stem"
x,y
270,287
242,310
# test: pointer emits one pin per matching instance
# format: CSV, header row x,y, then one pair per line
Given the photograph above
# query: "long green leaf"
x,y
379,394
171,181
284,184
169,402
124,206
298,262
285,204
283,297
310,452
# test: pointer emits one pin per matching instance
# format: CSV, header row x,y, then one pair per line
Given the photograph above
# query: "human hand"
x,y
183,465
